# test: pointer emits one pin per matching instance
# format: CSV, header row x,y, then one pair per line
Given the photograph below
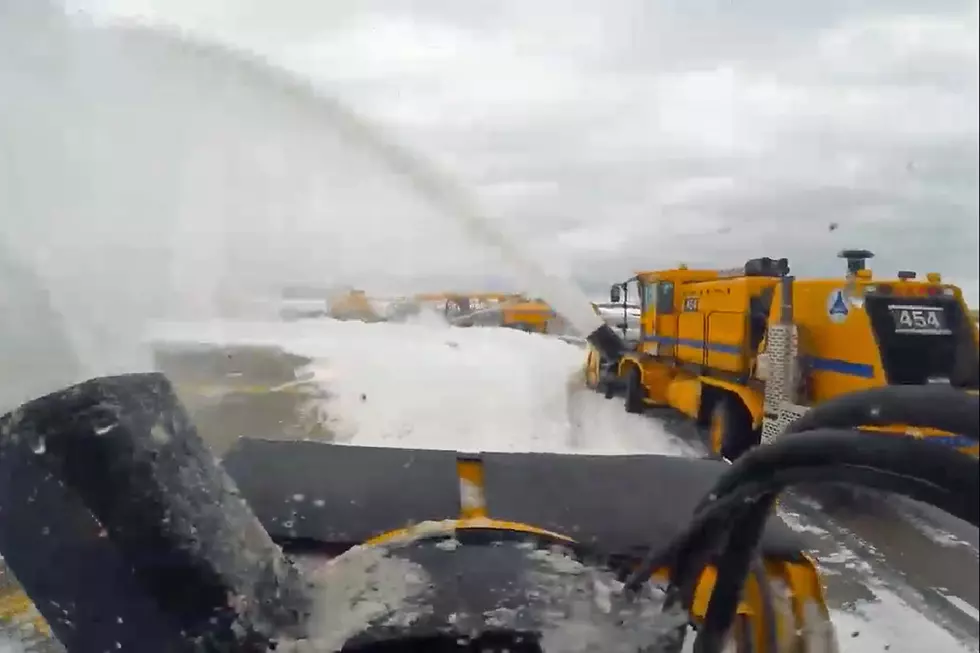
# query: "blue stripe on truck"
x,y
848,368
719,347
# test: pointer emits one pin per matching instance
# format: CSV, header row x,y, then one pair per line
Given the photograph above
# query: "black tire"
x,y
608,390
730,430
608,384
635,392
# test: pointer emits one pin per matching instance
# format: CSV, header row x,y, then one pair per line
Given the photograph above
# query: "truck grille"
x,y
924,340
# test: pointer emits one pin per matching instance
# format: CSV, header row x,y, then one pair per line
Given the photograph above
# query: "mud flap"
x,y
127,535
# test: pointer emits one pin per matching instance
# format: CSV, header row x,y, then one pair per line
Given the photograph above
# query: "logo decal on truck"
x,y
837,309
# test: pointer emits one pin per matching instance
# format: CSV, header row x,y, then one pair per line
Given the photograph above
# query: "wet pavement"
x,y
929,560
926,558
234,392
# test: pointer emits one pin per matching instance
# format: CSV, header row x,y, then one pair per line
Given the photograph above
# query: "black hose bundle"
x,y
729,522
939,407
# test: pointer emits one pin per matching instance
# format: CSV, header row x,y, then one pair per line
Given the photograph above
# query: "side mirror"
x,y
615,294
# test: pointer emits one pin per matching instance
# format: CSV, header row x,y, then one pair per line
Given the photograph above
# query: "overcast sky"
x,y
610,136
638,133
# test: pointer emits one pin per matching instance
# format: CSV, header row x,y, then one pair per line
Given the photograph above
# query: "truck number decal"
x,y
690,304
919,320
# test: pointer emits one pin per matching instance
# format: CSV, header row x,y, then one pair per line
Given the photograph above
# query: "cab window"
x,y
650,295
665,298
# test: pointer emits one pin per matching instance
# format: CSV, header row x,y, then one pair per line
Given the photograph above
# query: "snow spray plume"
x,y
150,176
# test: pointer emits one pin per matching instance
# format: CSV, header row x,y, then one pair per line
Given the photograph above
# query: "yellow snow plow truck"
x,y
749,352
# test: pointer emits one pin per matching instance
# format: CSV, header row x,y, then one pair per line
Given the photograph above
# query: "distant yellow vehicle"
x,y
508,310
747,352
458,306
353,305
534,316
521,313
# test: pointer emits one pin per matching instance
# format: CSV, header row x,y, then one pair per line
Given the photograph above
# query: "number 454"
x,y
919,319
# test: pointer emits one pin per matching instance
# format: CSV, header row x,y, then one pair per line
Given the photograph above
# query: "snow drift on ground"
x,y
430,385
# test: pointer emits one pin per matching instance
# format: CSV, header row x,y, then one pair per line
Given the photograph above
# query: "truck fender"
x,y
752,400
624,365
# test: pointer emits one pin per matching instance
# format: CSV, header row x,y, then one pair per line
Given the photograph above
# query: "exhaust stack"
x,y
856,259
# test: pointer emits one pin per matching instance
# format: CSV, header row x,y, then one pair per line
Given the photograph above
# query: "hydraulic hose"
x,y
732,516
757,569
940,407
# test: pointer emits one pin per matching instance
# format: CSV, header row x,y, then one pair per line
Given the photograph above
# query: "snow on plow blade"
x,y
348,494
317,495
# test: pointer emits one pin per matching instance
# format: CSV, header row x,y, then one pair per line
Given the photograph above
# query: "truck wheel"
x,y
608,389
635,392
730,431
594,377
591,372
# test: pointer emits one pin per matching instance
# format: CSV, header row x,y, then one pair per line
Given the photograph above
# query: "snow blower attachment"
x,y
605,340
129,537
127,534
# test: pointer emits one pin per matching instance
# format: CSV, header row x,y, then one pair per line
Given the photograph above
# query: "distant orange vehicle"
x,y
534,316
516,312
353,305
509,310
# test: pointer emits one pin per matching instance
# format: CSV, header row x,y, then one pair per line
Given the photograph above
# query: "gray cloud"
x,y
632,134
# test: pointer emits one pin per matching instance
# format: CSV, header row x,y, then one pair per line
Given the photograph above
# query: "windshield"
x,y
312,219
